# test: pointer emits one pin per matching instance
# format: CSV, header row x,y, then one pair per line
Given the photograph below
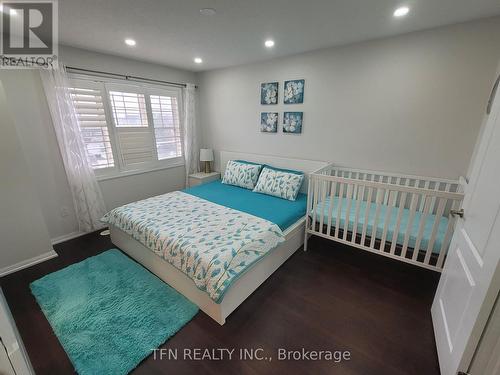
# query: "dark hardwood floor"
x,y
331,298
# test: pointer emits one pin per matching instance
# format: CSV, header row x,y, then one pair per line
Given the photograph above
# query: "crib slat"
x,y
339,210
350,188
386,195
308,211
435,228
398,182
387,219
422,202
377,214
354,192
333,190
423,221
409,226
356,218
315,202
437,185
402,200
367,211
324,187
447,237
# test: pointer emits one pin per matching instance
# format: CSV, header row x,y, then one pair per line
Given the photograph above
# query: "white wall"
x,y
411,103
27,101
29,108
22,227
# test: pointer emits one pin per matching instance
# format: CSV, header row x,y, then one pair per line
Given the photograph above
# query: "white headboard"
x,y
306,166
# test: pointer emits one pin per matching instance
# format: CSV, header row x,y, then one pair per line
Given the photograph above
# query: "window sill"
x,y
126,173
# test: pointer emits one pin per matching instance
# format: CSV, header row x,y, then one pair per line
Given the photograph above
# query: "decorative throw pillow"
x,y
279,183
241,174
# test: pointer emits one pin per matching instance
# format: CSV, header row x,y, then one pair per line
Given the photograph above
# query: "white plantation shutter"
x,y
165,111
89,106
136,146
139,125
134,136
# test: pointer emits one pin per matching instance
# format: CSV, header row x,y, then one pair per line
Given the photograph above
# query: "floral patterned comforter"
x,y
211,244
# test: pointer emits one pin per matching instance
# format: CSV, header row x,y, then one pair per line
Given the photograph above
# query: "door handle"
x,y
459,212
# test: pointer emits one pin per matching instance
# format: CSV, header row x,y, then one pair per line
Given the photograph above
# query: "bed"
x,y
403,217
199,227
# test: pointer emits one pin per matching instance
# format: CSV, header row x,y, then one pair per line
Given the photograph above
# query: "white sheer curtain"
x,y
87,196
191,144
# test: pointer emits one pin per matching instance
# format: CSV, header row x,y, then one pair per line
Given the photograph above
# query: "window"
x,y
129,109
126,127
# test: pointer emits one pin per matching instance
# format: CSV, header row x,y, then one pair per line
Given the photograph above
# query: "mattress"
x,y
324,207
279,211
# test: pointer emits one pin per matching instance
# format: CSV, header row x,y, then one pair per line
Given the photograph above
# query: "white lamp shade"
x,y
206,154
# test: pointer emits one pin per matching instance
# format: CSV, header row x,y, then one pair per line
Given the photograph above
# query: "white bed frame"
x,y
427,195
250,280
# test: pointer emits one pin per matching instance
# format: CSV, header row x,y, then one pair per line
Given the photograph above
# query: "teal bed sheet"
x,y
279,211
440,235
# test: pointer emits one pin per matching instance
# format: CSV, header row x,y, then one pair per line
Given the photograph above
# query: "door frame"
x,y
487,355
494,287
489,291
485,311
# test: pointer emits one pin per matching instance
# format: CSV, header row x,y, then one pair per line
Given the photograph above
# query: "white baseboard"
x,y
66,237
28,263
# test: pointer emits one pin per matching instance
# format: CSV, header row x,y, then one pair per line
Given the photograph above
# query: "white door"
x,y
466,294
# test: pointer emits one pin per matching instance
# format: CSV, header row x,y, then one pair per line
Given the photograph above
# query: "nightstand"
x,y
202,178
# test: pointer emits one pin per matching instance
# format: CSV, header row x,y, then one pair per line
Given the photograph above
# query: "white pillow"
x,y
279,183
241,174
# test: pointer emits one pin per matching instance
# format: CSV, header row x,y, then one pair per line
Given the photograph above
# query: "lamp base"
x,y
207,167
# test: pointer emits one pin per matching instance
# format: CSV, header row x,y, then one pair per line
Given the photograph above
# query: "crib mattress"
x,y
324,207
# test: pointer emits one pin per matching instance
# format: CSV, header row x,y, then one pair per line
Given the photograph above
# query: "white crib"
x,y
408,218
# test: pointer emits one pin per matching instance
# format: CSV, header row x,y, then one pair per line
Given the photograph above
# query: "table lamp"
x,y
207,155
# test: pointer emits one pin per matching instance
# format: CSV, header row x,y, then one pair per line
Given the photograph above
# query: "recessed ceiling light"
x,y
130,42
198,60
401,12
269,43
208,11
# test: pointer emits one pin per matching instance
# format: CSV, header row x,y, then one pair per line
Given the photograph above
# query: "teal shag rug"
x,y
109,312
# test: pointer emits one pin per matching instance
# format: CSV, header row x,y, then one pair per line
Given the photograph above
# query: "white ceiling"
x,y
173,32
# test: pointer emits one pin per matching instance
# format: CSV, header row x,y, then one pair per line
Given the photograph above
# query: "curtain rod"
x,y
125,77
